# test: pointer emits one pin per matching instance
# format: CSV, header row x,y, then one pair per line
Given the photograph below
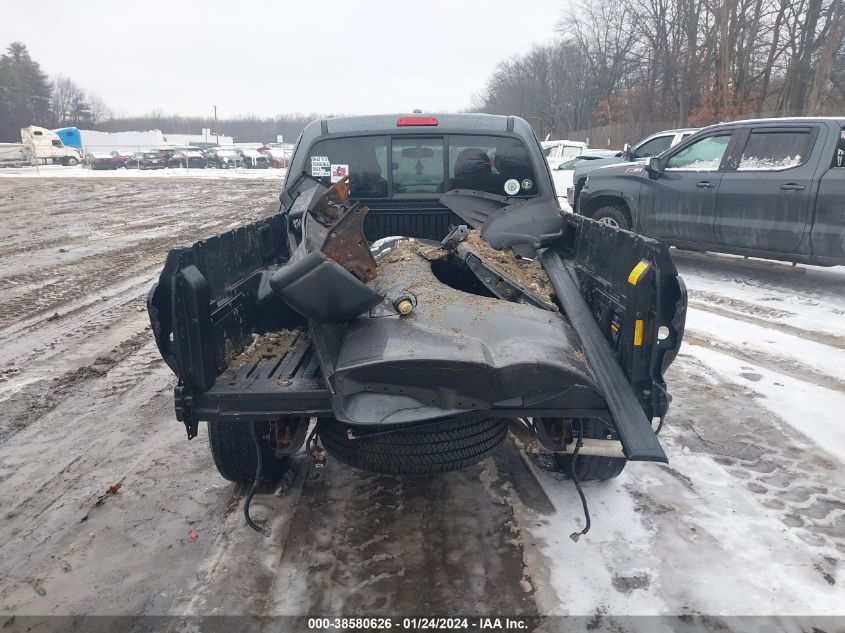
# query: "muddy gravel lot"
x,y
747,519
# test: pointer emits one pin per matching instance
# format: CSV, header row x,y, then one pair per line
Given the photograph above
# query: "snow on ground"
x,y
79,171
747,518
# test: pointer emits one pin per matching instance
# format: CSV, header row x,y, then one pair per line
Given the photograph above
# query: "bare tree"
x,y
628,62
98,109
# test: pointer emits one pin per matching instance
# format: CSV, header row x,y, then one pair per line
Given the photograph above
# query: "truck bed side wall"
x,y
211,297
625,279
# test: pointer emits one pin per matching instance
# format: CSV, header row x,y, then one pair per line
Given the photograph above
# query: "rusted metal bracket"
x,y
345,242
330,206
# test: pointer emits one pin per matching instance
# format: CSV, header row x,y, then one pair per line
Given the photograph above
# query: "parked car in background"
x,y
557,152
100,160
146,160
191,158
253,159
278,157
121,157
562,174
224,158
166,153
645,149
770,188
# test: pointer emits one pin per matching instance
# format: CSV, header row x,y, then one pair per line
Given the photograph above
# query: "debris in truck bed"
x,y
265,346
527,273
408,249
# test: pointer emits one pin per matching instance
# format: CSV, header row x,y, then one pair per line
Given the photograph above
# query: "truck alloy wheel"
x,y
614,216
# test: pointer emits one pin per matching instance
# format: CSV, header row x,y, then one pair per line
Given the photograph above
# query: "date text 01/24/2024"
x,y
419,623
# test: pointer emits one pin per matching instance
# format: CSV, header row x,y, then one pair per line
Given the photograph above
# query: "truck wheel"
x,y
70,161
417,450
613,216
590,467
234,453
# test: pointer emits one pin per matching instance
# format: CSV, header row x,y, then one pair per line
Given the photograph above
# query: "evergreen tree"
x,y
24,92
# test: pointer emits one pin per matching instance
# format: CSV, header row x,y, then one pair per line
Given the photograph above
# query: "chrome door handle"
x,y
705,184
791,186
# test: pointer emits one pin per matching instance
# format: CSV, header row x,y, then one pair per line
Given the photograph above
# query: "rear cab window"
x,y
382,166
775,150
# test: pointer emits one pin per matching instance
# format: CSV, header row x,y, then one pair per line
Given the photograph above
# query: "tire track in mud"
x,y
772,276
362,543
37,399
69,433
66,545
112,240
748,312
787,366
799,485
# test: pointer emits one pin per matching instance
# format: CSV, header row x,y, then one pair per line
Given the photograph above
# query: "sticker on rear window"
x,y
511,186
339,172
320,166
527,184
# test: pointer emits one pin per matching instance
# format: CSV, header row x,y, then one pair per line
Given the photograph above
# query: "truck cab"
x,y
768,188
46,146
70,136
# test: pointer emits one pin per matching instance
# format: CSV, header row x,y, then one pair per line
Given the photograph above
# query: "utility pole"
x,y
216,131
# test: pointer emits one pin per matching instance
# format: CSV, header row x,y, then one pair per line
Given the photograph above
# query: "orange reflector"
x,y
638,332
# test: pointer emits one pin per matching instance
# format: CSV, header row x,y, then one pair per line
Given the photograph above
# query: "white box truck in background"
x,y
38,146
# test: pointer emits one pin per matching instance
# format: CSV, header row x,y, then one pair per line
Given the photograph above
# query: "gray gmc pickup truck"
x,y
419,293
772,188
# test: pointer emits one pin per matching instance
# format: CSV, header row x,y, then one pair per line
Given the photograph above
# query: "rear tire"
x,y
615,216
234,453
417,450
590,467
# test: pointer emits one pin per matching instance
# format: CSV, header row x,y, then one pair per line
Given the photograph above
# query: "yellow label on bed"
x,y
637,272
638,332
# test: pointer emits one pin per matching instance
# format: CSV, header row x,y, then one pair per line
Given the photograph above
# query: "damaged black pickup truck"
x,y
419,294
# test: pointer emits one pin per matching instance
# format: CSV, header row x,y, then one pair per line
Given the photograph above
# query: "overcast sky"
x,y
278,57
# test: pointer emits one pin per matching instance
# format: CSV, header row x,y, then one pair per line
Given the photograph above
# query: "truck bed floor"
x,y
276,367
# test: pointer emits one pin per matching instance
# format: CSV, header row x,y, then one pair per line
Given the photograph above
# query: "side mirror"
x,y
626,151
654,164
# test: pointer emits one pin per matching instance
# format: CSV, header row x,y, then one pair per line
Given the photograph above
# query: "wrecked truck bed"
x,y
415,354
461,351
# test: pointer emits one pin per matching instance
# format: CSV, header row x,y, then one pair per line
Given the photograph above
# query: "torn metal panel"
x,y
325,279
456,352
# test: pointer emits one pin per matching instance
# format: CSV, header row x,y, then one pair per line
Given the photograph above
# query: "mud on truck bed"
x,y
419,294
